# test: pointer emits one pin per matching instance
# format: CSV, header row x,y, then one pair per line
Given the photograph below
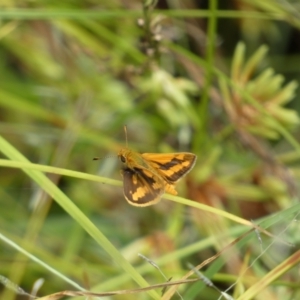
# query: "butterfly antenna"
x,y
106,156
125,130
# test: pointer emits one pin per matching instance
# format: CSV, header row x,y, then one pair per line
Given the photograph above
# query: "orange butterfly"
x,y
147,176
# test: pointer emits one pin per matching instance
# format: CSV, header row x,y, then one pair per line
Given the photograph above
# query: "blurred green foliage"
x,y
218,80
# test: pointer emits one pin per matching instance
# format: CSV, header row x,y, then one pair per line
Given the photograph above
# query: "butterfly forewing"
x,y
171,166
141,187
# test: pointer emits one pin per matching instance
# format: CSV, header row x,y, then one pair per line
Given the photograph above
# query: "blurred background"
x,y
216,78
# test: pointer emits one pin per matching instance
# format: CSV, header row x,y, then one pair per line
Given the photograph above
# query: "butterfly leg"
x,y
169,188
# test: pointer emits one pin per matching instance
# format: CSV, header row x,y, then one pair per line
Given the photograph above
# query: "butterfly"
x,y
147,176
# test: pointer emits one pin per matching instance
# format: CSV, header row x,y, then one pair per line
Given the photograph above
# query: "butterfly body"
x,y
147,176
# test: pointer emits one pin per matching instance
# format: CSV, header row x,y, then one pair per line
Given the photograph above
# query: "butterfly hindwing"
x,y
141,186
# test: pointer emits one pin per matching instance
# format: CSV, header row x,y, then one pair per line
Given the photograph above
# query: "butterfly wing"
x,y
171,166
141,186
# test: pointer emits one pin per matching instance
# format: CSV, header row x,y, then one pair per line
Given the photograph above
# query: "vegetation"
x,y
218,81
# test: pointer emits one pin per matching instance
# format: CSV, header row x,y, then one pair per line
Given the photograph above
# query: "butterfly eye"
x,y
123,159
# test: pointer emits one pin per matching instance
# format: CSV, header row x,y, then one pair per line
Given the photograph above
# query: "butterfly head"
x,y
123,155
127,157
130,159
